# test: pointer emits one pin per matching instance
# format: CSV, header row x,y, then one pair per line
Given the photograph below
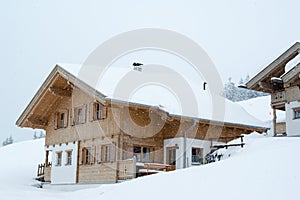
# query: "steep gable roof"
x,y
235,115
45,89
262,81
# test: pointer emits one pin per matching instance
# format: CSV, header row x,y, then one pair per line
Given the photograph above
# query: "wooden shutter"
x,y
84,113
99,153
92,154
66,117
91,112
83,157
72,117
55,120
104,112
112,152
102,153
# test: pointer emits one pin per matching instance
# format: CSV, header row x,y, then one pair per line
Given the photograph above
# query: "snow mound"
x,y
267,168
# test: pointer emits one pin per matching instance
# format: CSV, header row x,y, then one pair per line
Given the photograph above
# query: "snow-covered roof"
x,y
159,96
292,63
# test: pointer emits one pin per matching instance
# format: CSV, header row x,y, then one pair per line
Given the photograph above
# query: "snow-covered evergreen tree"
x,y
8,141
234,93
42,135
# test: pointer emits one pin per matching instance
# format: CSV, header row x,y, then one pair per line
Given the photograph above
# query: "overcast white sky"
x,y
241,37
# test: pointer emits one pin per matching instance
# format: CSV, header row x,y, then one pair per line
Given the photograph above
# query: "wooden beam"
x,y
38,121
58,91
266,87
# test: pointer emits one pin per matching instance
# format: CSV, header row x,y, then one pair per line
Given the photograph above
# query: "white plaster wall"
x,y
292,125
179,152
205,145
64,174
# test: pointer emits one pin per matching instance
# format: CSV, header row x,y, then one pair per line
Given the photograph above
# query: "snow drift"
x,y
267,168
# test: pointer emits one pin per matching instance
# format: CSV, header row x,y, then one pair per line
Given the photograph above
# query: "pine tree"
x,y
35,136
42,135
8,141
234,93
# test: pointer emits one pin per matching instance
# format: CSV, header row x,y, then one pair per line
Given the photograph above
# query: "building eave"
x,y
276,68
57,71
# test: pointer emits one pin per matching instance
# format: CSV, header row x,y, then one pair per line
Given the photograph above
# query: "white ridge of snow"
x,y
266,168
276,79
292,63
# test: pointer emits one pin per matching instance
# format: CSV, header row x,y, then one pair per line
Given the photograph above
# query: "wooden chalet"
x,y
281,79
89,139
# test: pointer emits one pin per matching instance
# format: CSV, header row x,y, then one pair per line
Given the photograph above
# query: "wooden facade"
x,y
94,139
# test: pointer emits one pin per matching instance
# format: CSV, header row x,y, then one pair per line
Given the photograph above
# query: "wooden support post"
x,y
242,141
274,121
117,155
47,159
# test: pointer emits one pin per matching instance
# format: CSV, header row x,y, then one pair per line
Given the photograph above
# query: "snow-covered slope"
x,y
267,168
260,108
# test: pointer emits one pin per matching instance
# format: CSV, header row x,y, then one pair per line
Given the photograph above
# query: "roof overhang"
x,y
45,92
262,81
58,83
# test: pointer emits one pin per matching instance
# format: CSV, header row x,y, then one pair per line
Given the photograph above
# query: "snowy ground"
x,y
267,168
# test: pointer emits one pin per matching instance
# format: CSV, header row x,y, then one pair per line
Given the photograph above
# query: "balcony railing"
x,y
41,169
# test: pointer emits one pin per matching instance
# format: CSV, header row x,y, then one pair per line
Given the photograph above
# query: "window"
x,y
86,156
146,154
58,158
142,154
137,153
171,155
296,113
61,119
197,157
69,157
106,153
78,115
97,111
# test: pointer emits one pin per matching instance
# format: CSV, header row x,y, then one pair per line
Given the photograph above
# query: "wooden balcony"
x,y
278,97
278,100
44,172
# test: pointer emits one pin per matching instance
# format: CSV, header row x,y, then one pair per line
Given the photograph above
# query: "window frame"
x,y
171,155
86,156
141,155
61,119
79,118
97,111
79,115
106,153
58,161
296,113
198,156
69,157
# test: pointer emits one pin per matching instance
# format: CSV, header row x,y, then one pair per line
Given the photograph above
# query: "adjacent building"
x,y
281,79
